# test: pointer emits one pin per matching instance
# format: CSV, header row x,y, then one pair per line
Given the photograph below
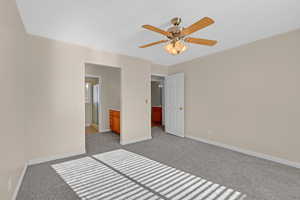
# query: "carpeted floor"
x,y
168,182
259,179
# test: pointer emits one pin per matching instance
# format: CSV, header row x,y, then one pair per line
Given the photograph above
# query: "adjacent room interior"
x,y
157,101
102,103
149,100
92,101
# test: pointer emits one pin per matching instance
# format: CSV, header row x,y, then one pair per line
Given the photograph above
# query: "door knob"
x,y
180,108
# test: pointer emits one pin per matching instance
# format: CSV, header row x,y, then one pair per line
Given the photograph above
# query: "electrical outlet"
x,y
9,184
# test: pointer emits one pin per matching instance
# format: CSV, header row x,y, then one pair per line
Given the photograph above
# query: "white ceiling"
x,y
115,25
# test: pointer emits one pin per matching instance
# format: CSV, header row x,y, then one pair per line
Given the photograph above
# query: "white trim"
x,y
135,141
93,76
113,109
50,158
248,152
157,74
99,64
19,183
105,130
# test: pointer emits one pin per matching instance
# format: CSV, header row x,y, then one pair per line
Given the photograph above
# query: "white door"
x,y
174,104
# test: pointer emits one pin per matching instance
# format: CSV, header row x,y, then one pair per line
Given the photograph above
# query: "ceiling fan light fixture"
x,y
175,47
178,37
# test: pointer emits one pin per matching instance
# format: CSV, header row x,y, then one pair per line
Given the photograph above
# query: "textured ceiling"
x,y
115,25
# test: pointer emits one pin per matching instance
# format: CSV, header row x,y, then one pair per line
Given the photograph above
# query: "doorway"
x,y
167,99
92,104
102,107
157,101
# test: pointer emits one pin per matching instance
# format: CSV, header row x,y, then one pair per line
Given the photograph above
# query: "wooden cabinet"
x,y
114,121
156,116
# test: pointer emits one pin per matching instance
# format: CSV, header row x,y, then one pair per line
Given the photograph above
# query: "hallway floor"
x,y
90,129
259,179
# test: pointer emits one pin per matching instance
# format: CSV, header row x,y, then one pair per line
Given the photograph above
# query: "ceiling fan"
x,y
177,36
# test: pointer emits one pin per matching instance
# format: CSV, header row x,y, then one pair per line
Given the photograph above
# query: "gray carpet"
x,y
93,180
168,182
259,179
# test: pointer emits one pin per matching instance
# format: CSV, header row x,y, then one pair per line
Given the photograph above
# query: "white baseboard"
x,y
135,141
248,152
18,186
50,158
105,130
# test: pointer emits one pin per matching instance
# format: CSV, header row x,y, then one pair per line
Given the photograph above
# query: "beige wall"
x,y
110,90
42,90
157,69
54,99
12,66
55,96
136,101
247,97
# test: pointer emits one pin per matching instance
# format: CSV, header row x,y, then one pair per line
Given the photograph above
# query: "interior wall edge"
x,y
248,152
135,141
170,67
19,183
55,157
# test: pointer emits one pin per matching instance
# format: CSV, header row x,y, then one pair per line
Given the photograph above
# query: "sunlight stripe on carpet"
x,y
92,180
166,181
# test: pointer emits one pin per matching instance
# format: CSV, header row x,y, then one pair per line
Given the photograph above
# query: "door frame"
x,y
100,102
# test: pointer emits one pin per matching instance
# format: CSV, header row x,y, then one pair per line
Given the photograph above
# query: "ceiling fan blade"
x,y
202,23
157,30
154,43
200,41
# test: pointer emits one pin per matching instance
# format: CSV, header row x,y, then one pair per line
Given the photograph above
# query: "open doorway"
x,y
92,101
102,106
167,97
157,101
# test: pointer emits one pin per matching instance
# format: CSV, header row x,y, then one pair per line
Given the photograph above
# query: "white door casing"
x,y
174,104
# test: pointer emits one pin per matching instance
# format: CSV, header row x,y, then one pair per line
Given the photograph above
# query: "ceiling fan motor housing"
x,y
176,21
175,30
